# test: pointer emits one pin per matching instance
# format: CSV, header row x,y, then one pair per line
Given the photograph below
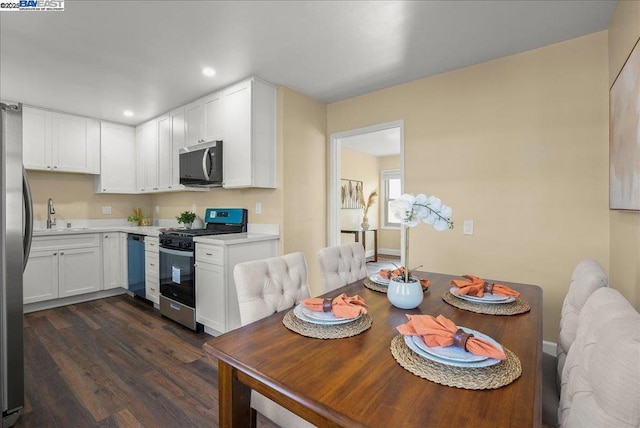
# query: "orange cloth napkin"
x,y
440,331
388,274
477,287
342,306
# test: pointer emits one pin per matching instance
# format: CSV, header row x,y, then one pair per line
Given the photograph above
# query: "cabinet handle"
x,y
62,254
55,167
152,289
151,264
55,254
106,236
209,254
104,190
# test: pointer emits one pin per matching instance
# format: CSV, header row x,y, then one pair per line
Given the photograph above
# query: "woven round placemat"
x,y
323,331
492,377
374,286
512,308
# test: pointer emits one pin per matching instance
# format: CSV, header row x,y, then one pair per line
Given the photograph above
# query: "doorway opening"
x,y
351,156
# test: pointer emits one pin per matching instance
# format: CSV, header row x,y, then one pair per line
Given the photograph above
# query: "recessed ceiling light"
x,y
128,113
209,72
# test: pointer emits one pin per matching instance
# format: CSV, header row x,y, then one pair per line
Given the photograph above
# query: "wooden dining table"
x,y
356,382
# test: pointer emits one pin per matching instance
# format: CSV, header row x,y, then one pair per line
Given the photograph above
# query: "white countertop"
x,y
230,239
141,230
235,238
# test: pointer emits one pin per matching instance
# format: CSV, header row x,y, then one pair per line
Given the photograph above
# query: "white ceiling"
x,y
378,143
98,58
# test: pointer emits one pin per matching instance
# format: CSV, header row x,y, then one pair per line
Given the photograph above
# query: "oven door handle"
x,y
176,252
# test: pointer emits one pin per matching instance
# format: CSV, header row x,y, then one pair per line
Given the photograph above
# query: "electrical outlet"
x,y
157,209
468,227
194,208
106,209
258,207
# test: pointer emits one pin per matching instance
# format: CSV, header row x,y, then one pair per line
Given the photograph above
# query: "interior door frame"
x,y
333,205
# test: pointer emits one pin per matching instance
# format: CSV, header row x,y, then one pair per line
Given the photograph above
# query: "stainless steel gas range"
x,y
177,258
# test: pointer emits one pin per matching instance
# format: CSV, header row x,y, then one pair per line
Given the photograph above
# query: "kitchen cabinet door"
x,y
249,140
194,123
36,138
211,301
236,146
76,144
79,271
117,159
164,169
213,120
112,259
177,142
40,280
147,155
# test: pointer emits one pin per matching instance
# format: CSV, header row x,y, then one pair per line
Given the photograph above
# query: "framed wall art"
x,y
624,136
349,191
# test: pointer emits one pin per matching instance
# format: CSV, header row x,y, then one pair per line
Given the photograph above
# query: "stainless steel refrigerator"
x,y
16,224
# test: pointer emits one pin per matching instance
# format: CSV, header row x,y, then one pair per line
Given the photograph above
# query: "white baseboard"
x,y
549,347
389,252
56,303
369,253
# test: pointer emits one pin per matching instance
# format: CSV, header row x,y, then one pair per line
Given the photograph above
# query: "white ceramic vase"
x,y
405,295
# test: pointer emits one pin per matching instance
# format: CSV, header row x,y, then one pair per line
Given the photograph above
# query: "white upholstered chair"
x,y
341,265
265,287
587,277
601,376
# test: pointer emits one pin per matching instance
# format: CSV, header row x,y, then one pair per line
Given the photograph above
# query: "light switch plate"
x,y
106,209
258,207
468,227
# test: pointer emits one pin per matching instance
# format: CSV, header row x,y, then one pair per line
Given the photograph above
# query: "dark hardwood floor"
x,y
116,362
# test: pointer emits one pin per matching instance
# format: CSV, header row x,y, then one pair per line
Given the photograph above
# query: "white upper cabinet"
x,y
249,135
203,120
177,142
60,142
165,159
117,159
147,155
36,138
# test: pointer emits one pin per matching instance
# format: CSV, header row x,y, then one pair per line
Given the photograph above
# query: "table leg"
x,y
375,246
364,244
234,398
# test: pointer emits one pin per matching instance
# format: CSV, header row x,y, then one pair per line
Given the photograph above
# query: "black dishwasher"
x,y
135,264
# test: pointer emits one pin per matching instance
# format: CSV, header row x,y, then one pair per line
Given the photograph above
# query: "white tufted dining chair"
x,y
265,287
341,265
587,277
601,376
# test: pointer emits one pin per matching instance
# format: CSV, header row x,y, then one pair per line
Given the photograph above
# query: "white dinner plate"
x,y
315,317
412,341
378,279
453,352
487,298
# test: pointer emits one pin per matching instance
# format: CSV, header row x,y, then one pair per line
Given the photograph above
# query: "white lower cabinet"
x,y
78,271
114,260
152,269
41,277
216,298
62,266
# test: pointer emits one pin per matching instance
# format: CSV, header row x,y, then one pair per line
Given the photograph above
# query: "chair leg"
x,y
253,417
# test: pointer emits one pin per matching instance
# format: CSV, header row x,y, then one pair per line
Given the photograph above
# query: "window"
x,y
391,189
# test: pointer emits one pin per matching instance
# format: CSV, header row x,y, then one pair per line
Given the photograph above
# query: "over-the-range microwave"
x,y
201,164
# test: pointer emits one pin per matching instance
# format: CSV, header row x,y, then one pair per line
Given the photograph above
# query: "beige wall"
x,y
519,145
388,238
303,123
624,31
74,198
360,166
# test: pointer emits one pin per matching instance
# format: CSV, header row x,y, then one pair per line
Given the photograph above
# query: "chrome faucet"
x,y
51,219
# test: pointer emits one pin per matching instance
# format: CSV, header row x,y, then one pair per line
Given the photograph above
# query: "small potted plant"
x,y
135,219
186,218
